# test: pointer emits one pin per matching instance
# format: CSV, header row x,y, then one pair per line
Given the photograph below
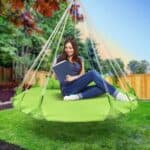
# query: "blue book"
x,y
62,69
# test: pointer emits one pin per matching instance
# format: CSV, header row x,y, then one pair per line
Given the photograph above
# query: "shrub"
x,y
53,84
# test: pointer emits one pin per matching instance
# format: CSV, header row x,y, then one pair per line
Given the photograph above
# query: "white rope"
x,y
55,54
75,21
94,50
120,68
88,18
116,73
33,76
99,66
118,65
46,45
114,69
123,83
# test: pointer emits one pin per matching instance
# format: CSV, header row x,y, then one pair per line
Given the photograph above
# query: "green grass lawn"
x,y
129,132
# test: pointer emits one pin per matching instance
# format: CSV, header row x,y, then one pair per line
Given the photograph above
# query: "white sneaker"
x,y
71,97
123,97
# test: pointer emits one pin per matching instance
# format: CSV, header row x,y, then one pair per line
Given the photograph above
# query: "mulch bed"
x,y
5,106
6,92
5,96
8,146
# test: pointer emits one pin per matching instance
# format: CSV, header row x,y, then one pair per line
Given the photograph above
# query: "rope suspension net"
x,y
42,102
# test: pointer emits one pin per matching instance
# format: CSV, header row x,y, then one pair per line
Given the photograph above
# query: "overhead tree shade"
x,y
22,12
54,108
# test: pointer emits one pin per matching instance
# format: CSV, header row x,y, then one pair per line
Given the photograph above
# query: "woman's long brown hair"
x,y
75,57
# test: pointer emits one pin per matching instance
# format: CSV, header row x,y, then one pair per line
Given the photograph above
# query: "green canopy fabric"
x,y
53,108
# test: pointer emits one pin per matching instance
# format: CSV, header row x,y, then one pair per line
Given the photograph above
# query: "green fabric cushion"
x,y
53,108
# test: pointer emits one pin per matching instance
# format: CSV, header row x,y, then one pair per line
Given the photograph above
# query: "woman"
x,y
76,84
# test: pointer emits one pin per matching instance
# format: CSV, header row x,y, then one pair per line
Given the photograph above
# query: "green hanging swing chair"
x,y
49,103
53,108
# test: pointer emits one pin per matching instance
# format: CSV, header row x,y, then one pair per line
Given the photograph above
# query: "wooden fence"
x,y
140,82
40,78
6,74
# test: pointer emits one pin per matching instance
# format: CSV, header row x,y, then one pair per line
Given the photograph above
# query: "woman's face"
x,y
69,49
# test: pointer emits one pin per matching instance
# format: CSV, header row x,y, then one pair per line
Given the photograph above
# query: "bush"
x,y
53,84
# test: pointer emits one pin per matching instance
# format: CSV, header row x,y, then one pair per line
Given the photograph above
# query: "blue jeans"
x,y
80,86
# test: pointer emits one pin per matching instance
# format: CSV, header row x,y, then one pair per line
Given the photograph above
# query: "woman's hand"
x,y
70,78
